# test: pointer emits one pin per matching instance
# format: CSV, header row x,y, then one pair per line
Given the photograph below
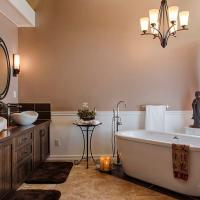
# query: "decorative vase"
x,y
87,118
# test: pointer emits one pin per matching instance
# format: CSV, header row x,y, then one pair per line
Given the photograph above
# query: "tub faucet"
x,y
116,122
119,121
176,138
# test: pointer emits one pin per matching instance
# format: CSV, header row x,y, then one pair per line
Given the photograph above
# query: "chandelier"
x,y
164,22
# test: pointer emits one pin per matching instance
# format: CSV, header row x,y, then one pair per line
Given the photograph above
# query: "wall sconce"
x,y
16,64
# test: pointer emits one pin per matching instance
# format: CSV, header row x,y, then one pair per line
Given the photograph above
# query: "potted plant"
x,y
85,113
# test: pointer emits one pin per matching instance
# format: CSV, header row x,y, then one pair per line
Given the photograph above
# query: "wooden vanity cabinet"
x,y
23,151
5,168
31,148
22,157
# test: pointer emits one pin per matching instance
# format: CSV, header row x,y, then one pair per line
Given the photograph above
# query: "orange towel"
x,y
180,158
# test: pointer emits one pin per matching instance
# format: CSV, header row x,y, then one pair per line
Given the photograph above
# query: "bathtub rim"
x,y
154,142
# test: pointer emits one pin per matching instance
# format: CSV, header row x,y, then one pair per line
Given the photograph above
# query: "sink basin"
x,y
25,118
3,123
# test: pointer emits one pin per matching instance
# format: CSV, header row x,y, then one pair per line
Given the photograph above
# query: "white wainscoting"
x,y
70,137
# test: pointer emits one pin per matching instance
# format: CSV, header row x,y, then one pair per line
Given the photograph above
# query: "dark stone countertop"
x,y
16,130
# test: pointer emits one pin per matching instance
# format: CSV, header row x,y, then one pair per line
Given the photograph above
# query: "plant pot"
x,y
88,118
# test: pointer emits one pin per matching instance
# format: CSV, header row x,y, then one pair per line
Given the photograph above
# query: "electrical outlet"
x,y
57,142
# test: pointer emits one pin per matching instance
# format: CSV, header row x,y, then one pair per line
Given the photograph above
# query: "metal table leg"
x,y
87,144
78,162
91,145
88,130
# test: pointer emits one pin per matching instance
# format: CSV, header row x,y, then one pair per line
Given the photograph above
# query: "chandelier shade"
x,y
184,18
144,22
153,15
164,22
173,13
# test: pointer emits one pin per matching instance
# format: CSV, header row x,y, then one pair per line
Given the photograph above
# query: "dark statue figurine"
x,y
196,110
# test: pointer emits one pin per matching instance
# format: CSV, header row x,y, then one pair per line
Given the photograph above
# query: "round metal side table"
x,y
87,131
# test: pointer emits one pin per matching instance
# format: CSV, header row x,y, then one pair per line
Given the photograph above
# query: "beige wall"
x,y
86,50
9,33
34,3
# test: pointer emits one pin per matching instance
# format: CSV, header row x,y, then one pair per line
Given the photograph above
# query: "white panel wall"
x,y
70,137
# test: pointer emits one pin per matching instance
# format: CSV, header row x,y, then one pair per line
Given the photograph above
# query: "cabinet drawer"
x,y
23,171
24,152
24,139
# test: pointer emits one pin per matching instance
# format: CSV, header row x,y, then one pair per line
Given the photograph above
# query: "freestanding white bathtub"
x,y
147,156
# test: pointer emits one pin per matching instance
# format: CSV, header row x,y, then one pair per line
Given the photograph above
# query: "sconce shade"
x,y
16,64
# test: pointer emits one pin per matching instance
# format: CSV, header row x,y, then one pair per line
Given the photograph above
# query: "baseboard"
x,y
71,157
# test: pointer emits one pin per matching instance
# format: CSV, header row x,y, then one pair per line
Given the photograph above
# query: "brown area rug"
x,y
50,173
34,194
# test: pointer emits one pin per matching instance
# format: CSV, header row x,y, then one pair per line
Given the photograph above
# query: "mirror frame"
x,y
4,47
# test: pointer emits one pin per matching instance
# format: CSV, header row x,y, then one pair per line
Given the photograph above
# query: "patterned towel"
x,y
180,158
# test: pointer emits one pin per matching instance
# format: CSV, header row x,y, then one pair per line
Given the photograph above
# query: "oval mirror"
x,y
5,69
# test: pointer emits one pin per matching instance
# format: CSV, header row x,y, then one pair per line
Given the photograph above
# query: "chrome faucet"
x,y
119,121
7,108
116,122
3,106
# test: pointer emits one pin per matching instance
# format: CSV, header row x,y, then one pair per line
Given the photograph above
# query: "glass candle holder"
x,y
105,163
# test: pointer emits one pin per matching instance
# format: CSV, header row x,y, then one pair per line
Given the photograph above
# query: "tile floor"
x,y
89,184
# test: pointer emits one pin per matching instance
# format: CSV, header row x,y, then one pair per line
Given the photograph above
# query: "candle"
x,y
105,163
102,163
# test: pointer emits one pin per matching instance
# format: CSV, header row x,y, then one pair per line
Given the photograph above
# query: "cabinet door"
x,y
44,144
41,144
36,147
7,151
22,157
23,171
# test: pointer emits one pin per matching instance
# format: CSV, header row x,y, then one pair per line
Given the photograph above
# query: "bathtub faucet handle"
x,y
119,121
